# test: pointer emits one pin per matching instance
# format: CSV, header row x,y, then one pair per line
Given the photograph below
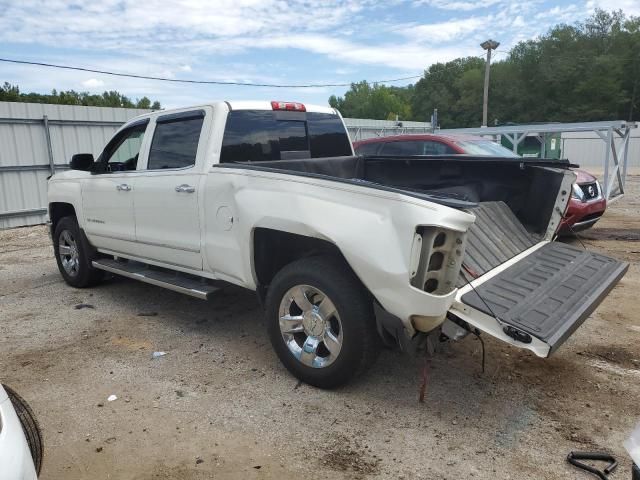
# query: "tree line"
x,y
588,71
12,93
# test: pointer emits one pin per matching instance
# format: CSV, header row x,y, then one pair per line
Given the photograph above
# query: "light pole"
x,y
488,46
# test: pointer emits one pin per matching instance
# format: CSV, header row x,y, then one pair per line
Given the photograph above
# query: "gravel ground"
x,y
220,405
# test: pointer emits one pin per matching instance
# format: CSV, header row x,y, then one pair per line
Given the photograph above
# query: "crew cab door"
x,y
107,196
166,197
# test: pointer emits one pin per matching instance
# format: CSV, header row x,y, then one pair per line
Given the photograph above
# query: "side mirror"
x,y
81,161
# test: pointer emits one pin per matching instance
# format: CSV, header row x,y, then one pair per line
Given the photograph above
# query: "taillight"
x,y
293,106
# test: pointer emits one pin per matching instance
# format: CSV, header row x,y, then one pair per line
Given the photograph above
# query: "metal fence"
x,y
38,139
363,128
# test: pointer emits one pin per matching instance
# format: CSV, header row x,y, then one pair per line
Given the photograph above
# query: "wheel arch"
x,y
273,249
58,210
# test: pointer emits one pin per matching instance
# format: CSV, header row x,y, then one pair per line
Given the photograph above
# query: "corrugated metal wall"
x,y
25,162
587,149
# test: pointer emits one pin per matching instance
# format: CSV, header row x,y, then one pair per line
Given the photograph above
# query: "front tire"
x,y
321,323
29,425
73,255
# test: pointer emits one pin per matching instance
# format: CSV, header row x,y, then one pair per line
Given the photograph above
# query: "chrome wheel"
x,y
68,251
310,326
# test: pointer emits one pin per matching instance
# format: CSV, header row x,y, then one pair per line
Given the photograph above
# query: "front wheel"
x,y
321,323
73,255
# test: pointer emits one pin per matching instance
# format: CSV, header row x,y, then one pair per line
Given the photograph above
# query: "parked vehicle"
x,y
20,438
343,250
587,203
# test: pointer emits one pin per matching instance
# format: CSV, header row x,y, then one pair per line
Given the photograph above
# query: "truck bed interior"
x,y
512,199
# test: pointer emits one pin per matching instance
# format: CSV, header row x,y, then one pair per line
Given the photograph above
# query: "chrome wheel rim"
x,y
68,251
310,326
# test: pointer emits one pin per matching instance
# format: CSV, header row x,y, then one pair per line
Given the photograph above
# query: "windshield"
x,y
485,147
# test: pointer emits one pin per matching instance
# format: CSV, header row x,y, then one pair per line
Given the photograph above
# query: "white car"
x,y
20,438
342,250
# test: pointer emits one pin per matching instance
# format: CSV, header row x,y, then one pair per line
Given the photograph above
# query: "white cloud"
x,y
629,7
459,5
93,83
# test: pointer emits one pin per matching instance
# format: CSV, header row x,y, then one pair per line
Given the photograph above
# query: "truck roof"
x,y
245,105
266,105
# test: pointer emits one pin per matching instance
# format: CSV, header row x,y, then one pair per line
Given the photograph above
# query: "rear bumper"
x,y
15,456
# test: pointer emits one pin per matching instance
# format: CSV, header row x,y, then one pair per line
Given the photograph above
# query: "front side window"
x,y
175,141
486,147
436,148
121,154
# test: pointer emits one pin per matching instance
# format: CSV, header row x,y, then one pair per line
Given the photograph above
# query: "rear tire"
x,y
30,427
321,322
73,255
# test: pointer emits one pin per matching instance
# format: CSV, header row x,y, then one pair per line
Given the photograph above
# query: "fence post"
x,y
47,134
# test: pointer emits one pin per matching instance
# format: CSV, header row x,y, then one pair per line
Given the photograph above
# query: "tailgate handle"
x,y
516,334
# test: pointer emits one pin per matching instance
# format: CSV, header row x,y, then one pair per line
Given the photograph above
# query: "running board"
x,y
171,280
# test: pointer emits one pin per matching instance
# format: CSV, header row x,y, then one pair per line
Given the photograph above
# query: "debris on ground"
x,y
158,354
111,398
80,306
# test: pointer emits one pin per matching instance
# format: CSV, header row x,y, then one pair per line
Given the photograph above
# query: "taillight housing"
x,y
436,259
290,106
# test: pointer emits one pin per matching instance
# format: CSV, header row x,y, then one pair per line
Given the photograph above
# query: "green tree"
x,y
364,100
12,93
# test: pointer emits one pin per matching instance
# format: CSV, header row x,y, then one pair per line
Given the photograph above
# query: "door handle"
x,y
184,188
123,187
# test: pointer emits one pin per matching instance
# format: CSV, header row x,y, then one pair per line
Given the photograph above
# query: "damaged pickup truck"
x,y
343,251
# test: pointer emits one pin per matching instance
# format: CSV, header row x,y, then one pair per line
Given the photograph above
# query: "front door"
x,y
107,196
166,197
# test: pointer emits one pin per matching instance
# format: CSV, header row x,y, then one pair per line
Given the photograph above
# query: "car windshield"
x,y
485,147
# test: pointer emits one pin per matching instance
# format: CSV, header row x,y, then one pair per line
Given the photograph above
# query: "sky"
x,y
261,41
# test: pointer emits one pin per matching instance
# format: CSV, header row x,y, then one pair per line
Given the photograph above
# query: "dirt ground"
x,y
220,405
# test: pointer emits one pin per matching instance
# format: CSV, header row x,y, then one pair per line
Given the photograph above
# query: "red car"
x,y
587,203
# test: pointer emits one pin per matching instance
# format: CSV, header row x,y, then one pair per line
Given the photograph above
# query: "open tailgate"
x,y
540,297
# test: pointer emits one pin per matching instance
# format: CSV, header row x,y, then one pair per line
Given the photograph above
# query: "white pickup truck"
x,y
343,251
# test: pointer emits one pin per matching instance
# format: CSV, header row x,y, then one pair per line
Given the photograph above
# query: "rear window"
x,y
263,135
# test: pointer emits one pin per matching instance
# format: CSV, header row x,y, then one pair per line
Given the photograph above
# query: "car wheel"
x,y
321,323
30,427
72,255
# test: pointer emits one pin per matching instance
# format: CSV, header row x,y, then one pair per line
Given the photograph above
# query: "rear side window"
x,y
175,141
402,148
263,135
368,148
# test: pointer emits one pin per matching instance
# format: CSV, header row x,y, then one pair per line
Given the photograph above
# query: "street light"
x,y
488,45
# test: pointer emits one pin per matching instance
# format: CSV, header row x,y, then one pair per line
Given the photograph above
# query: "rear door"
x,y
167,210
540,297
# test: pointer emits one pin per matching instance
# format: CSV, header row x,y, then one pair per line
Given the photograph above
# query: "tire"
x,y
30,427
323,344
74,260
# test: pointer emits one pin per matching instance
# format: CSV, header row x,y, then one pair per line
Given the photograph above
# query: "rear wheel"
x,y
29,425
321,323
73,255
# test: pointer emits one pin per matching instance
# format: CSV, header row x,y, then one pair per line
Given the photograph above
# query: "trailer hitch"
x,y
573,458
